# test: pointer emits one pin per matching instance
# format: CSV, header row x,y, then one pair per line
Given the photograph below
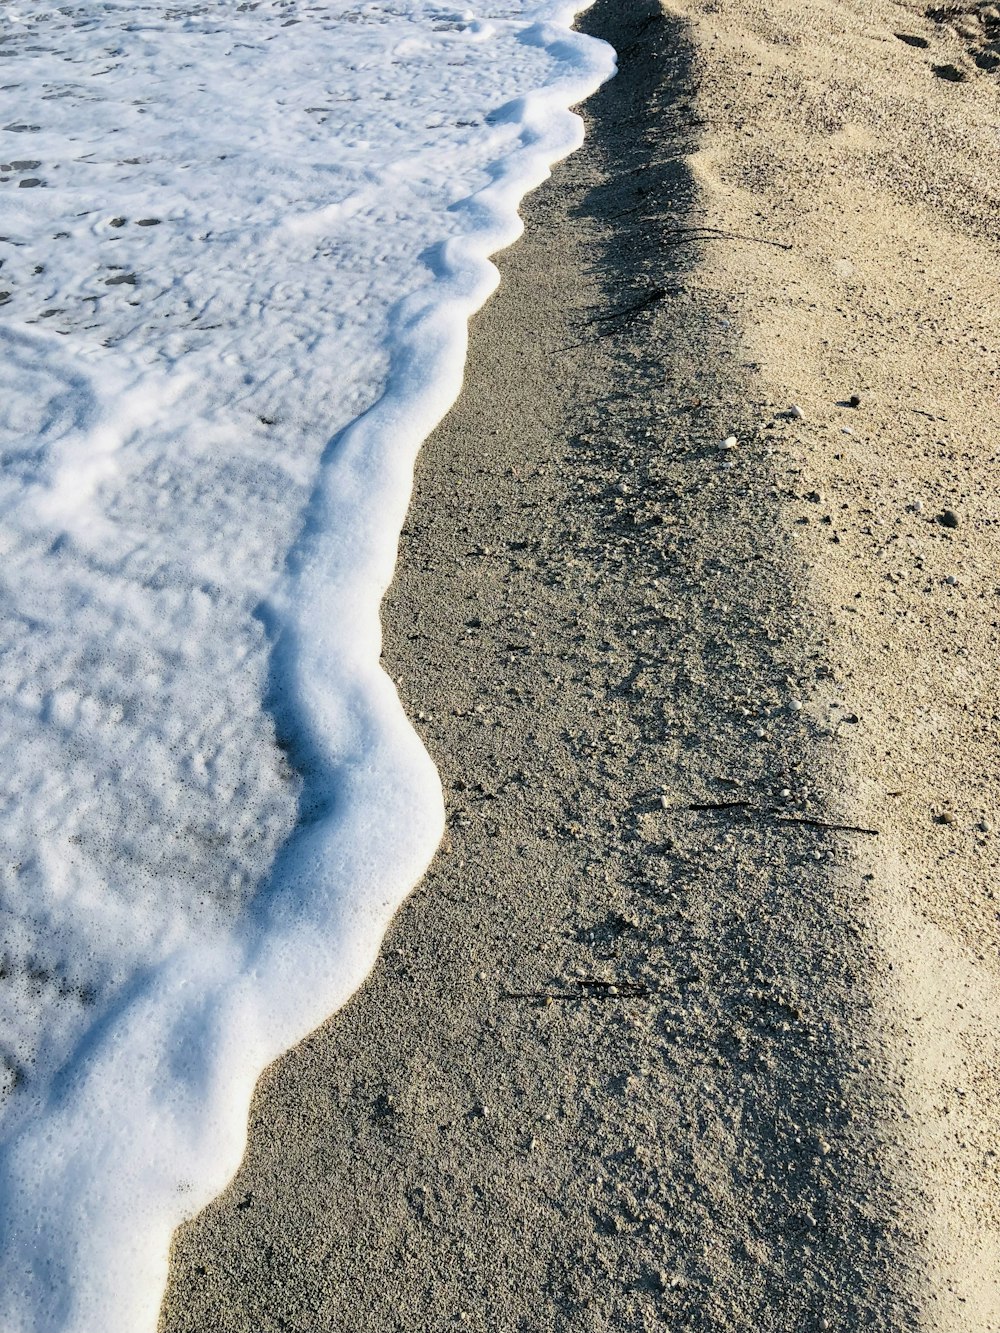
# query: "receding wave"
x,y
241,247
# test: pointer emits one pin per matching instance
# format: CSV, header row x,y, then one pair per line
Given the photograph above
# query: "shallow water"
x,y
235,293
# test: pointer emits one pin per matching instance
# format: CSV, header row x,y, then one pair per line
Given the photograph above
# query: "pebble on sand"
x,y
948,518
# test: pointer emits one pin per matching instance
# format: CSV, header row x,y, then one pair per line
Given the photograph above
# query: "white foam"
x,y
211,801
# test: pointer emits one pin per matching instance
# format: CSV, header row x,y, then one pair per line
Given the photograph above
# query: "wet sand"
x,y
692,1023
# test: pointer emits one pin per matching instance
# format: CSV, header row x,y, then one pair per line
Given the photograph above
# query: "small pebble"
x,y
729,443
948,518
795,412
946,817
951,581
854,400
795,705
917,507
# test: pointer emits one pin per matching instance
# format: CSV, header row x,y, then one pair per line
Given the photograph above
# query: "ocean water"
x,y
239,246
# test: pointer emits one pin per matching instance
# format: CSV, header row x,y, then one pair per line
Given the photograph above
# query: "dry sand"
x,y
627,1063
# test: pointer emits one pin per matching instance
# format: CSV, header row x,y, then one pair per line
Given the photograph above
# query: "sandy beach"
x,y
693,1023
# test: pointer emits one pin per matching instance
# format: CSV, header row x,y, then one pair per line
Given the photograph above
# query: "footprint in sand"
x,y
950,73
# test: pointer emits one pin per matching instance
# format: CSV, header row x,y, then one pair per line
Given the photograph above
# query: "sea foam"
x,y
240,244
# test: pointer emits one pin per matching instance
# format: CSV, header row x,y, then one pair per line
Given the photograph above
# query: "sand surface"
x,y
653,1046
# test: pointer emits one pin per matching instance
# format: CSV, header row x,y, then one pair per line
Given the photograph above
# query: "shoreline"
x,y
630,1056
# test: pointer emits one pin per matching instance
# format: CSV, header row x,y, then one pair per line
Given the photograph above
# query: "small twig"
x,y
781,818
712,234
720,805
625,212
613,318
651,298
623,992
696,230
